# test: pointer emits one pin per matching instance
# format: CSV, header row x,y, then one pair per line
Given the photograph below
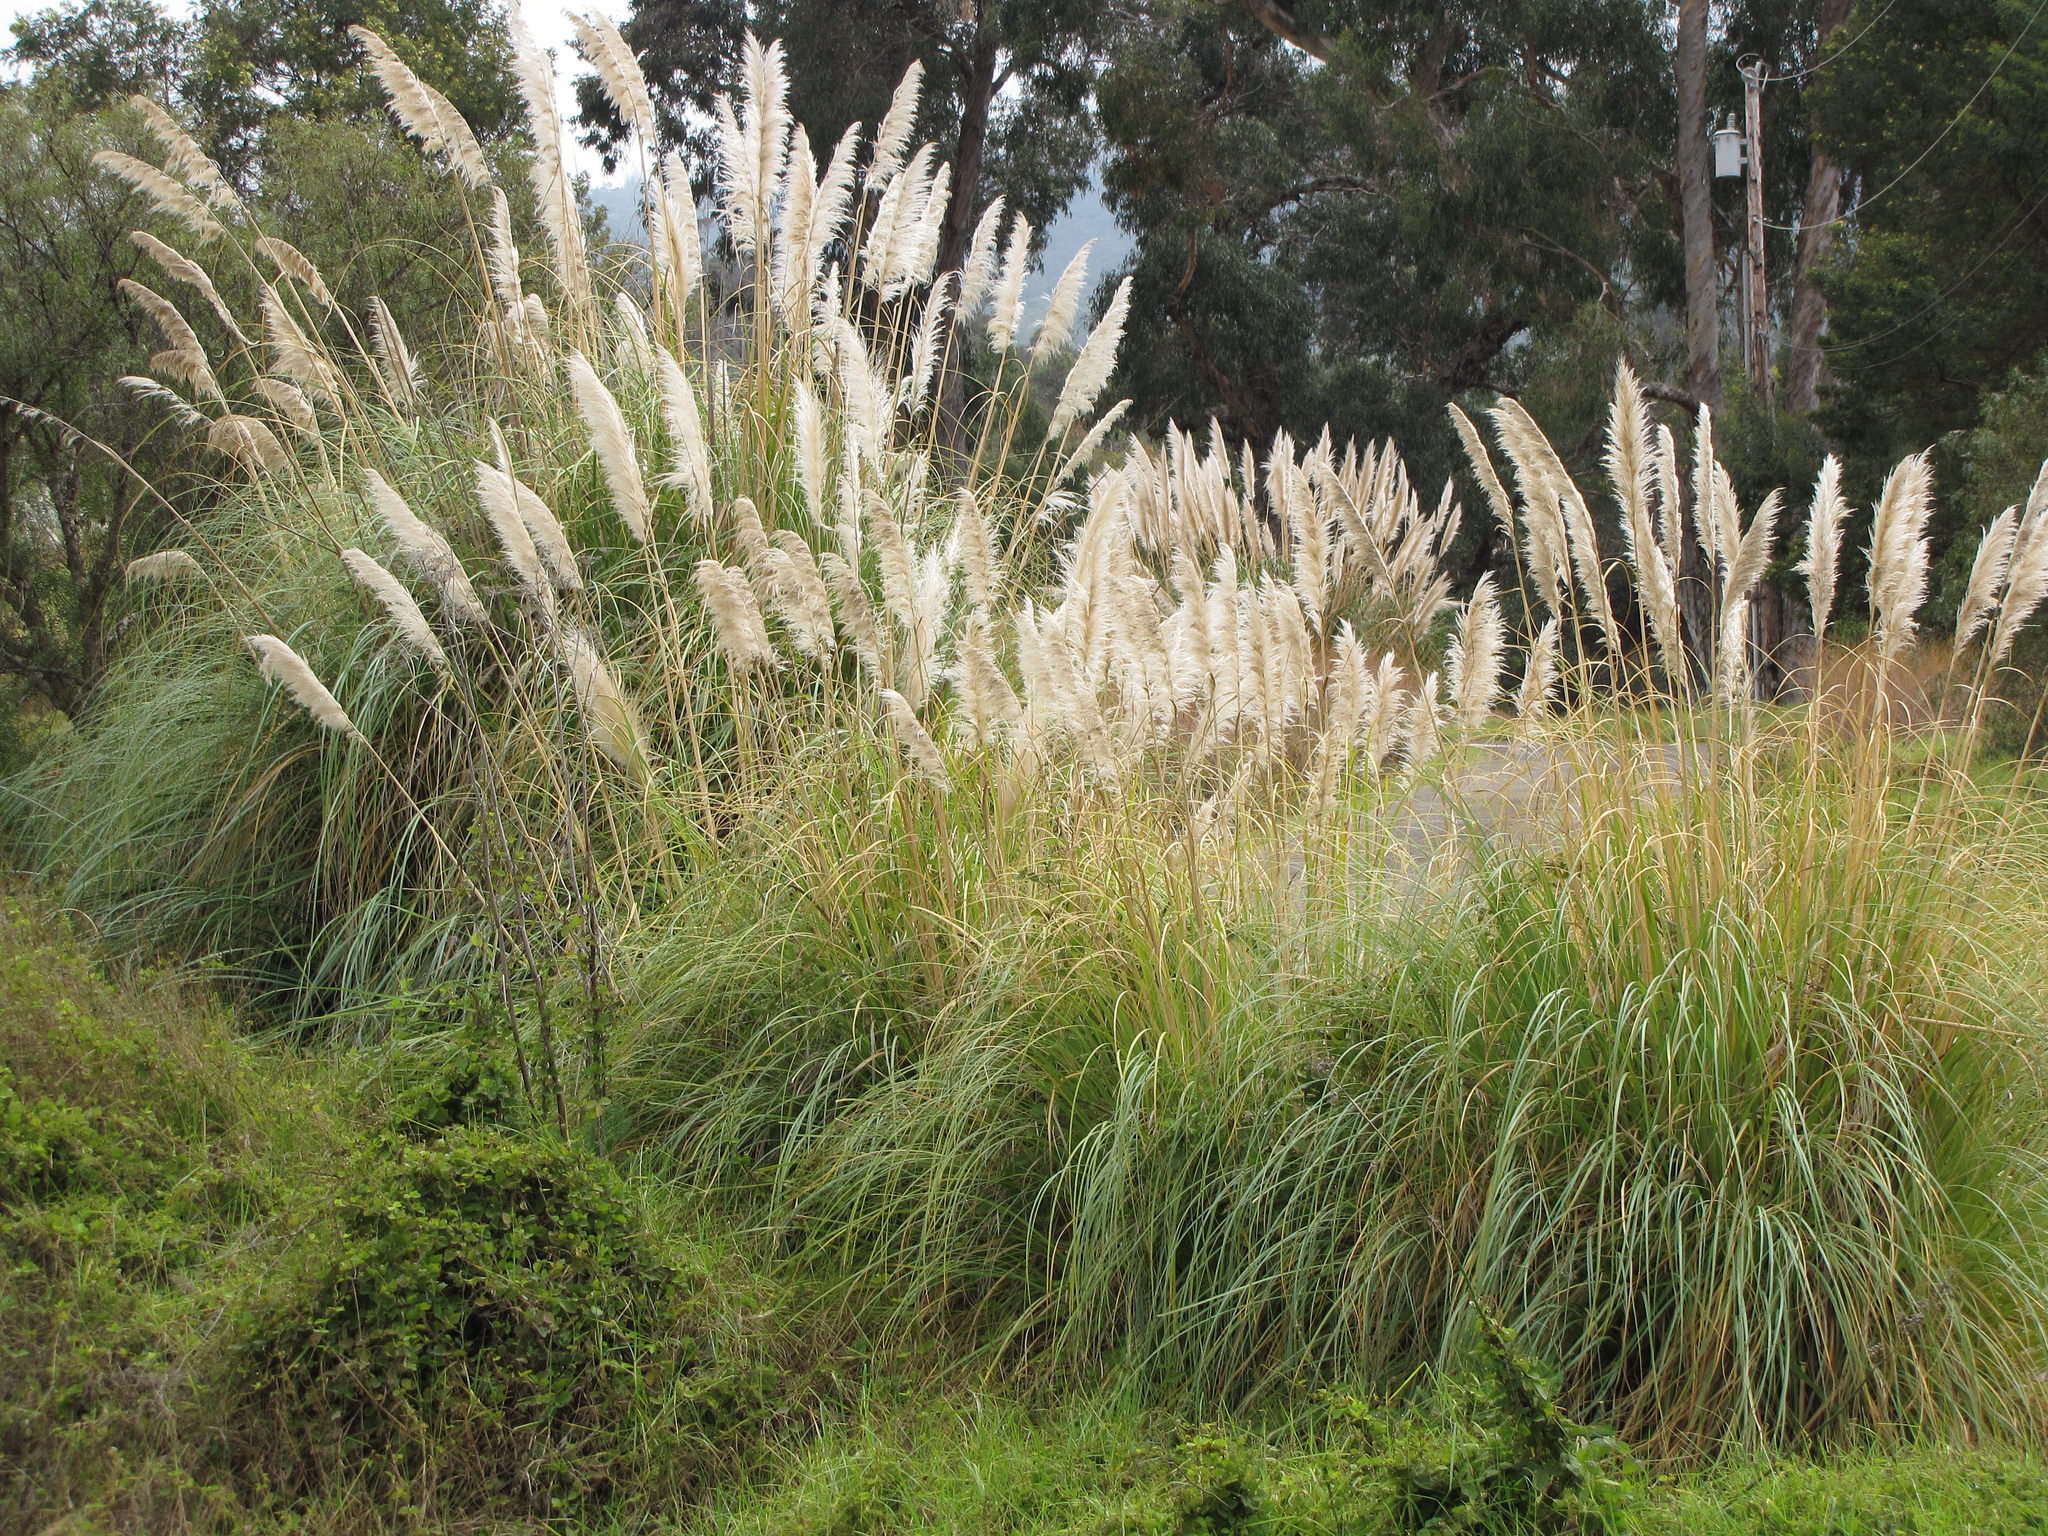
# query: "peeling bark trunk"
x,y
958,227
1696,205
1804,366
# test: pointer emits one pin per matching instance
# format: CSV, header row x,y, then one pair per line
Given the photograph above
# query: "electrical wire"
x,y
1820,64
1865,202
1944,296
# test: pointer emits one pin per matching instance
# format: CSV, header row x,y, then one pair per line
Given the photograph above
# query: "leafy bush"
x,y
489,1314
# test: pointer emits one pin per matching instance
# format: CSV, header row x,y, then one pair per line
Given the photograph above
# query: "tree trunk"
x,y
1803,364
978,91
1696,205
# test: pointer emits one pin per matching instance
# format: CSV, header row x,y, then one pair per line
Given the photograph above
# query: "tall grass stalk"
x,y
1061,901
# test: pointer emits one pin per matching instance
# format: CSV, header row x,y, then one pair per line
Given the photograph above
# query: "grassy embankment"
x,y
819,941
255,1288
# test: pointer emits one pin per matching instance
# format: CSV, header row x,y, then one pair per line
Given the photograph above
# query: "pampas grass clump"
x,y
1067,883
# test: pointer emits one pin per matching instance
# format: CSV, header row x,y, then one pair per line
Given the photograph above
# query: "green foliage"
x,y
1515,1459
1360,240
100,52
1938,112
484,1297
259,63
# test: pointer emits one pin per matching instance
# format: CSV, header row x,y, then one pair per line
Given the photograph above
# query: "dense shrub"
x,y
489,1313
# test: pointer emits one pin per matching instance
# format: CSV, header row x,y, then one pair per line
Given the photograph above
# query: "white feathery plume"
x,y
282,665
1631,468
500,500
1898,554
921,249
401,86
184,158
977,272
609,718
247,441
811,470
504,256
170,199
295,263
673,205
1670,508
1987,576
1539,677
915,740
1482,470
753,541
164,566
287,400
618,71
180,408
848,526
1009,290
791,280
1094,363
892,138
691,471
1062,307
612,441
924,351
415,634
400,374
1750,554
425,113
183,269
737,197
1549,545
892,553
550,539
2026,573
1708,519
973,549
1388,705
554,193
1420,729
880,262
768,120
856,617
293,355
465,157
1824,544
1475,658
633,350
183,359
801,596
429,552
1534,457
829,203
735,617
1084,451
988,702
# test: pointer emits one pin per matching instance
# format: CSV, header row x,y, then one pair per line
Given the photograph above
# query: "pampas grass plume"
x,y
735,617
612,441
164,566
414,632
283,665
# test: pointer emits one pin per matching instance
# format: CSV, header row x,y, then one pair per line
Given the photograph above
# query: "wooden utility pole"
x,y
1756,326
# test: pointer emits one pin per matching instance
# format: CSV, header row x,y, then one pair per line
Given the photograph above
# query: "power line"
x,y
1863,203
1947,293
1820,64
